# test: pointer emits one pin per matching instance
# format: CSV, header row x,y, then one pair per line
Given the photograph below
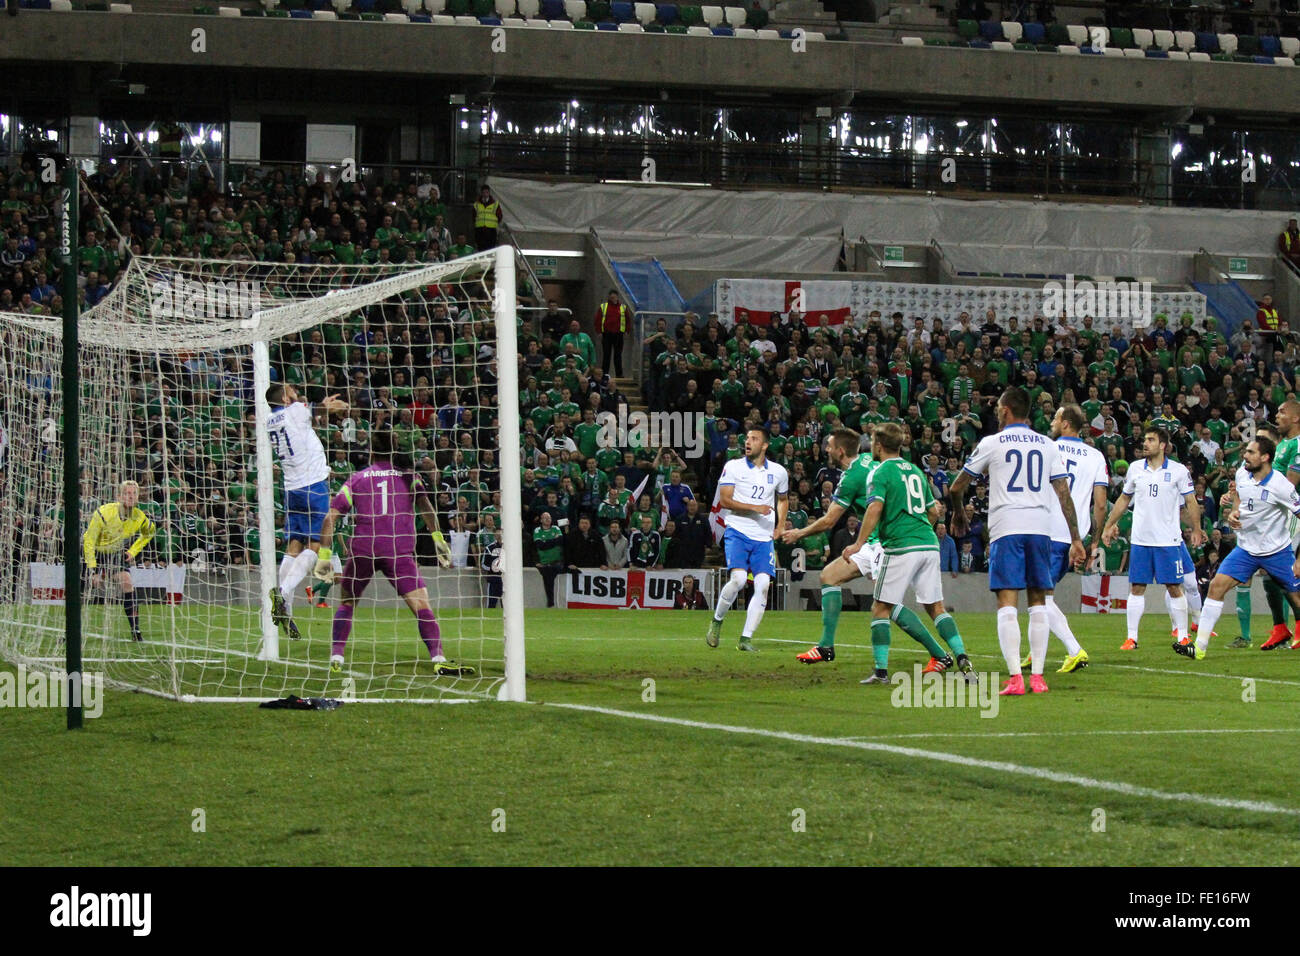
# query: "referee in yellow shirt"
x,y
105,549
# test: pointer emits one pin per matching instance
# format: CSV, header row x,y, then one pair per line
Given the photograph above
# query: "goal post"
x,y
175,364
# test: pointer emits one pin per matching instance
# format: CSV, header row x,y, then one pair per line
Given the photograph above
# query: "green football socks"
x,y
906,618
832,604
948,631
880,643
1243,612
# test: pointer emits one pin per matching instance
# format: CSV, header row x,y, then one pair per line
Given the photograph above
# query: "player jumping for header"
x,y
383,499
306,491
751,489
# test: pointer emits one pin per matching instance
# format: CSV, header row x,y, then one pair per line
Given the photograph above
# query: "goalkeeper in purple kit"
x,y
383,499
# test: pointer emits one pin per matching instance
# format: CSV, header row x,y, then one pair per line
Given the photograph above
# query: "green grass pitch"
x,y
1144,758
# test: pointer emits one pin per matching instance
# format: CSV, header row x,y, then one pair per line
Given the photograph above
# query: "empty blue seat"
x,y
553,10
490,21
1207,42
666,13
1269,46
723,32
1158,54
321,5
1012,275
420,18
981,44
1056,276
1090,50
960,273
364,6
622,11
991,30
1035,275
1035,33
300,14
607,25
1263,59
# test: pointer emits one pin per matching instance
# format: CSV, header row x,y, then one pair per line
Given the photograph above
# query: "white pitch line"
x,y
1084,733
1054,776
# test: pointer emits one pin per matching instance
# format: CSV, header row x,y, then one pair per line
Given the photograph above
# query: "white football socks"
x,y
1136,605
1209,617
1178,610
299,569
1009,637
727,596
1059,625
757,605
1038,628
1193,592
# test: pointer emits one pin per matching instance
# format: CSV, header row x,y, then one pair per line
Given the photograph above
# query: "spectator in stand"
x,y
948,563
616,547
1288,243
612,322
581,341
645,545
487,219
583,548
690,597
694,535
549,541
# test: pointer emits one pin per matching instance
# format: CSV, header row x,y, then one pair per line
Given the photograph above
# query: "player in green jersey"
x,y
902,509
843,452
1286,460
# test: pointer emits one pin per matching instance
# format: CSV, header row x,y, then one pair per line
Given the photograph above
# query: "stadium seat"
x,y
1035,33
1057,34
1207,43
1089,50
294,14
598,11
1247,45
655,28
1134,53
981,44
735,16
1283,61
645,13
1164,39
676,29
1269,46
1185,39
126,8
968,29
699,31
990,30
1012,31
467,21
609,26
1025,47
723,31
1157,54
1175,55
1002,46
713,16
554,10
435,6
561,24
1198,57
324,15
1228,42
630,28
1143,39
1078,34
1113,51
574,9
60,6
666,13
622,11
1290,46
768,35
1121,38
691,15
504,8
912,41
492,21
1067,48
745,33
1262,60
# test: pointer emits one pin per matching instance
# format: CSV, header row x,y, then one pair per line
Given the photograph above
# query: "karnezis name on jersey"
x,y
1086,469
1158,495
1021,465
757,485
1265,509
302,458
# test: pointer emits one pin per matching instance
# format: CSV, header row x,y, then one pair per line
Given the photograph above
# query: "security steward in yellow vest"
x,y
487,219
611,322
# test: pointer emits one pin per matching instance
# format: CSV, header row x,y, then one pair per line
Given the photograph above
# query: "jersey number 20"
x,y
1031,464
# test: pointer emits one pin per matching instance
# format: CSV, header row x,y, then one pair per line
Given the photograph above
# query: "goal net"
x,y
175,365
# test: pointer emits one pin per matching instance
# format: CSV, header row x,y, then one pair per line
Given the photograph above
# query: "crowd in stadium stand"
x,y
426,370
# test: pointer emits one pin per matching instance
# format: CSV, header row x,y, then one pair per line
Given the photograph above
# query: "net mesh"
x,y
168,401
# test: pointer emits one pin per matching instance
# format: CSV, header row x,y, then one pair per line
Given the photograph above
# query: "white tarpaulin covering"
x,y
795,232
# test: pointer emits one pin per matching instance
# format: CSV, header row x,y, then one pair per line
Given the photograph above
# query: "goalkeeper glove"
x,y
324,570
441,549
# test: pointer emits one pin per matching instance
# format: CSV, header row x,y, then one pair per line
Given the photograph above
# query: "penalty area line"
x,y
1038,773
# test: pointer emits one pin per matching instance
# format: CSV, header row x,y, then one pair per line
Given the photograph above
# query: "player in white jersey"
x,y
1159,489
1264,506
1028,484
1088,479
753,493
306,491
